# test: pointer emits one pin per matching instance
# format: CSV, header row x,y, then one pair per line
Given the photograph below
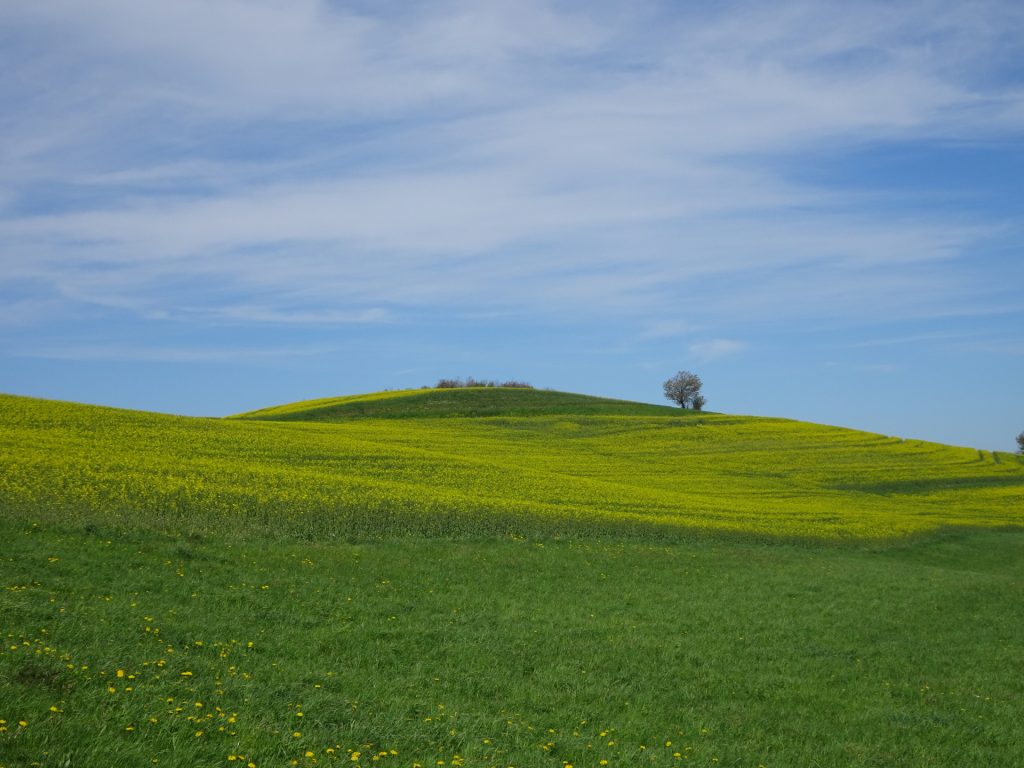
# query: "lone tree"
x,y
684,389
1020,443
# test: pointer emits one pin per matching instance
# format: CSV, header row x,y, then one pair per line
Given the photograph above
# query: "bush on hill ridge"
x,y
471,382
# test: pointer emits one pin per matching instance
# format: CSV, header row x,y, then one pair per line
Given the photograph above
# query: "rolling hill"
x,y
501,578
484,462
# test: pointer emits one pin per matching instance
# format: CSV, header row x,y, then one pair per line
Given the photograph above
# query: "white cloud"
x,y
257,314
916,338
507,156
165,354
715,349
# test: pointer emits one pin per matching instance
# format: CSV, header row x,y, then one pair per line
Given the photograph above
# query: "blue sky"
x,y
211,206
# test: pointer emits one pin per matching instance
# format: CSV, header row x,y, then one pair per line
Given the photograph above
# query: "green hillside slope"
x,y
576,474
471,401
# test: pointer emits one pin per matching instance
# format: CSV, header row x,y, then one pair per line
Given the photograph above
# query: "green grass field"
x,y
502,578
453,403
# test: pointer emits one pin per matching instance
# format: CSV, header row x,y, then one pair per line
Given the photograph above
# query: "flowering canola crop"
x,y
559,470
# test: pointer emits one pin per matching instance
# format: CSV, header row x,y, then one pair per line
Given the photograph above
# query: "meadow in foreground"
x,y
132,649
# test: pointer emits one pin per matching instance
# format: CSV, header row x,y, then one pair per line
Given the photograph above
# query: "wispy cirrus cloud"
x,y
715,349
118,352
348,163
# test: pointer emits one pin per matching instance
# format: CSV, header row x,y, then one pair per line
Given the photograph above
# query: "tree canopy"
x,y
684,389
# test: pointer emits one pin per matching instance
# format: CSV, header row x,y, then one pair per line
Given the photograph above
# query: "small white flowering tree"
x,y
684,389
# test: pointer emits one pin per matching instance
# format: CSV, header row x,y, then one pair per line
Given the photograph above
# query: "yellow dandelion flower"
x,y
120,673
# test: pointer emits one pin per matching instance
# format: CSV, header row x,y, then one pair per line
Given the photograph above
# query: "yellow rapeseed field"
x,y
560,470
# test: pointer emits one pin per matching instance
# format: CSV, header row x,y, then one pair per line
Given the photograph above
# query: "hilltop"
x,y
455,402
